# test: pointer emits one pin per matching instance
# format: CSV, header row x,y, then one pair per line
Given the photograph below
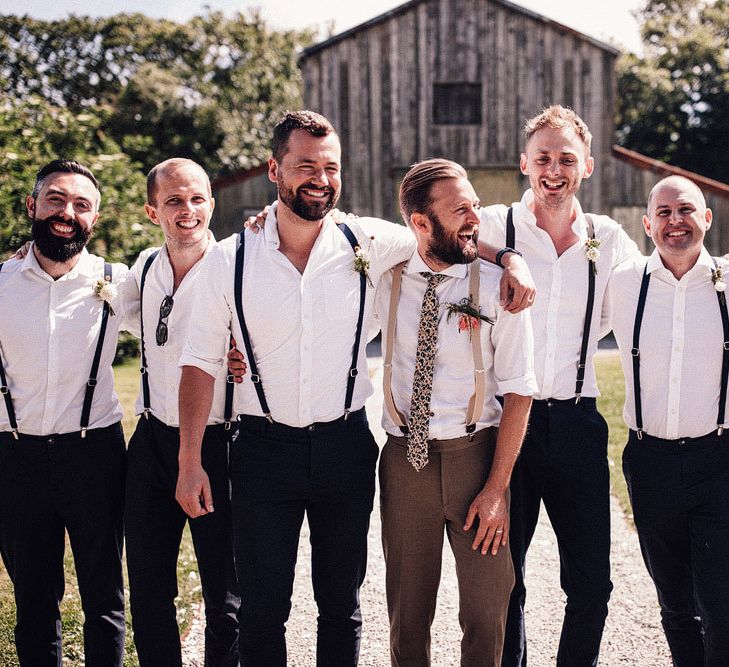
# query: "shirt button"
x,y
311,427
432,414
51,441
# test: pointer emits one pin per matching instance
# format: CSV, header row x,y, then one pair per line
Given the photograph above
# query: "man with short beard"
x,y
450,348
62,452
297,296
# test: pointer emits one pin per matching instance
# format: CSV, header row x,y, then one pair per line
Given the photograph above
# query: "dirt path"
x,y
632,634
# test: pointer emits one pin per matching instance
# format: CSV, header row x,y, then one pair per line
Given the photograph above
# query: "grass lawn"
x,y
127,379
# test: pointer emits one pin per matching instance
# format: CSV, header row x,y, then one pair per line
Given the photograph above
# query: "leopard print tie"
x,y
417,436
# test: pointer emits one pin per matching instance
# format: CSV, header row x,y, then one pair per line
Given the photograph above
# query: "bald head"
x,y
169,167
680,182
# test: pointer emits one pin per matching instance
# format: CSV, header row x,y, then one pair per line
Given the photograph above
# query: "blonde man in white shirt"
x,y
180,201
670,320
62,452
446,464
563,461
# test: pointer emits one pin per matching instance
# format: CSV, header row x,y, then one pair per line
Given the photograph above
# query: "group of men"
x,y
289,308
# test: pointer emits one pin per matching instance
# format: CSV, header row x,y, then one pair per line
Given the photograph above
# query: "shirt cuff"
x,y
211,367
526,385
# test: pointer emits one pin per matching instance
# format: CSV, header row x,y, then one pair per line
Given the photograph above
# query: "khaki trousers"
x,y
416,507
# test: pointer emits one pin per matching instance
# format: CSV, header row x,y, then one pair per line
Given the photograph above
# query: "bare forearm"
x,y
196,399
511,434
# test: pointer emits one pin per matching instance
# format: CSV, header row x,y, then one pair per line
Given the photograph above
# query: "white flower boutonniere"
x,y
362,261
106,291
717,278
592,252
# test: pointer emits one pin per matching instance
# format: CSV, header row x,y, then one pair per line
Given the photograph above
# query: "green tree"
x,y
674,100
33,133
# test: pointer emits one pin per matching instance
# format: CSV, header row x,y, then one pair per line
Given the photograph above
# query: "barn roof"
x,y
407,6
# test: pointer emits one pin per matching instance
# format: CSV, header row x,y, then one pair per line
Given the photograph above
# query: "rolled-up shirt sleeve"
x,y
209,332
513,343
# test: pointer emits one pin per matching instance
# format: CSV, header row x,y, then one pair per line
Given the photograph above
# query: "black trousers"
x,y
154,523
563,463
679,490
327,471
49,485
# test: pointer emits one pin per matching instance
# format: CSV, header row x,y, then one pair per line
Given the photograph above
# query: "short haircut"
x,y
171,164
675,178
309,121
558,117
418,183
63,165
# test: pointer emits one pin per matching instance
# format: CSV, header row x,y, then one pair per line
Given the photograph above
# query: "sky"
x,y
608,21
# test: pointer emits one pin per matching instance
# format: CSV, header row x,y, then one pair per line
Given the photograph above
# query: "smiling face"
x,y
555,160
309,174
64,213
182,204
451,233
677,219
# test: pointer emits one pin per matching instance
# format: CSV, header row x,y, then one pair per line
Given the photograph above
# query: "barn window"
x,y
457,103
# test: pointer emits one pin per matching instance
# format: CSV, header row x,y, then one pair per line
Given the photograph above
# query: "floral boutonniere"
x,y
717,278
106,291
469,316
362,261
592,252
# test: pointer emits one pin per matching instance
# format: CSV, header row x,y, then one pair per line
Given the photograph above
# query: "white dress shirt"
x,y
163,361
302,326
558,313
680,346
507,348
48,334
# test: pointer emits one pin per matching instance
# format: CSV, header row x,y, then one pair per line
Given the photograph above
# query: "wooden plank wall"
x,y
376,88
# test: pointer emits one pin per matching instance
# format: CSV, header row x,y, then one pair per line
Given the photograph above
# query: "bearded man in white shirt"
x,y
298,295
180,201
669,315
450,348
62,452
563,461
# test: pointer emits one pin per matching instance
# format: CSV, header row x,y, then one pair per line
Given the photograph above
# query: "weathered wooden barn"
x,y
456,78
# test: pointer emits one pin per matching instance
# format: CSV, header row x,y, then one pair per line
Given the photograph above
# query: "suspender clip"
x,y
639,433
405,430
270,419
720,430
255,378
146,413
353,372
15,434
346,415
726,344
83,432
4,390
91,382
227,425
635,352
577,398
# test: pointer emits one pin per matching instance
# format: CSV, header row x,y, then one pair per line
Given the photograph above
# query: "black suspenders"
x,y
635,351
511,240
90,383
255,376
143,368
6,395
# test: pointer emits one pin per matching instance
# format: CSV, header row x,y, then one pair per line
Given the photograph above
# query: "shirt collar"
x,y
655,263
417,265
30,263
164,252
579,226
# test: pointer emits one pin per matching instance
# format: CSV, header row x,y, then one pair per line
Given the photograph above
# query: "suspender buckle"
x,y
346,415
142,369
91,382
83,432
269,417
230,379
4,390
639,433
577,398
635,352
15,434
353,372
227,425
255,378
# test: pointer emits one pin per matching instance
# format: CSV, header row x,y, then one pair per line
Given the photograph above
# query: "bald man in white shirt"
x,y
62,451
669,315
446,466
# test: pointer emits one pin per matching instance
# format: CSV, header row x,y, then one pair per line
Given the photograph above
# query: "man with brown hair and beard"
x,y
62,454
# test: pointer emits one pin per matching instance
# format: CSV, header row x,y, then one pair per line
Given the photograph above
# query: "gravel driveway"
x,y
632,635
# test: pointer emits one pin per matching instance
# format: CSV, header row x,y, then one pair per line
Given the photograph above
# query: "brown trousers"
x,y
416,507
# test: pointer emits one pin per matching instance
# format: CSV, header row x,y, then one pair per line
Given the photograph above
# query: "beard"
x,y
444,245
314,210
57,248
